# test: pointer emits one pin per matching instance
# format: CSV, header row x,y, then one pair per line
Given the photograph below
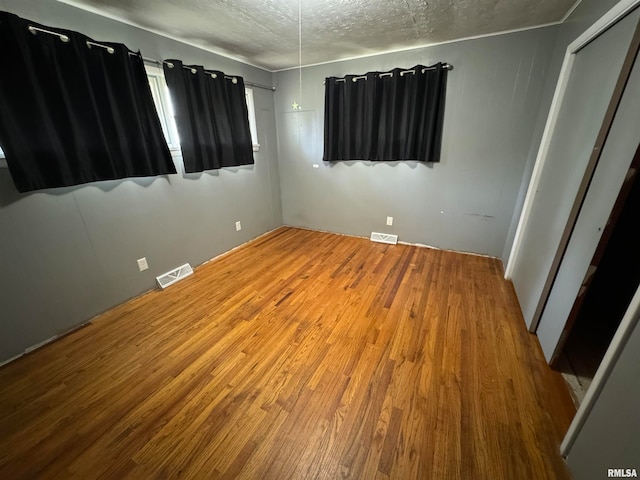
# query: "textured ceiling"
x,y
265,32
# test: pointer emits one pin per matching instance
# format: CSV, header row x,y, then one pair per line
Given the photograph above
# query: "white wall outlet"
x,y
389,221
315,165
238,226
142,264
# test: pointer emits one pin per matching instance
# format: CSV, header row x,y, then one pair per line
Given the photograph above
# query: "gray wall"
x,y
607,180
580,117
541,235
467,201
585,14
69,254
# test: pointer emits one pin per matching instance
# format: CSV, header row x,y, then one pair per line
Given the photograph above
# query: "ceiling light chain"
x,y
295,105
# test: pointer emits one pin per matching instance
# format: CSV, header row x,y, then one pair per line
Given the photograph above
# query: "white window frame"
x,y
162,100
251,109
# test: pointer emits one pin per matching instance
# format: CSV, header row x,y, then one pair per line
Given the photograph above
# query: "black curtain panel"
x,y
351,108
385,116
74,110
211,115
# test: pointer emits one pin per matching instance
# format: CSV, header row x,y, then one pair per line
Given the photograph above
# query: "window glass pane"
x,y
160,94
155,93
252,118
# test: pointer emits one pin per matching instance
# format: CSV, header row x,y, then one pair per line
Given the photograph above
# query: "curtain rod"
x,y
65,38
446,66
35,30
249,84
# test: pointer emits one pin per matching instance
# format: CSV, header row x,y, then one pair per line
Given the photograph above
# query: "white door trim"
x,y
619,11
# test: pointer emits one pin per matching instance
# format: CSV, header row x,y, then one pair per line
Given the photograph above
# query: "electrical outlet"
x,y
315,165
142,264
389,221
238,226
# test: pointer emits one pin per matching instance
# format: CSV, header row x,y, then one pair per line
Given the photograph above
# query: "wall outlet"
x,y
389,221
315,165
238,226
142,264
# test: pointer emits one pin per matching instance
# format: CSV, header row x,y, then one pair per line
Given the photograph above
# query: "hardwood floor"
x,y
300,355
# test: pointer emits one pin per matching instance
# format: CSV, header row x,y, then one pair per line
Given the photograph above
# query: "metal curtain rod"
x,y
35,30
106,47
446,66
65,38
193,70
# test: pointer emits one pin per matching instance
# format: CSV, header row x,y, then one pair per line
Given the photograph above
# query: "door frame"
x,y
619,205
613,16
619,342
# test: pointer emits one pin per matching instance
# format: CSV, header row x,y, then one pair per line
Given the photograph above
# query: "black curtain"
x,y
71,112
396,115
350,111
211,115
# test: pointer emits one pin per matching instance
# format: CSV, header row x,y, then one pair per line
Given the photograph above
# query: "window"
x,y
386,116
115,132
160,94
161,98
252,118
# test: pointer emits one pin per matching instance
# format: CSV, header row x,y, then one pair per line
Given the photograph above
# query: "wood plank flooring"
x,y
302,355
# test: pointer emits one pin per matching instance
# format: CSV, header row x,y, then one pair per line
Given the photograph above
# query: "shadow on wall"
x,y
216,173
413,164
9,194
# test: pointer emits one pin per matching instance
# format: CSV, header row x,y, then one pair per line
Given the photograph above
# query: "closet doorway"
x,y
612,279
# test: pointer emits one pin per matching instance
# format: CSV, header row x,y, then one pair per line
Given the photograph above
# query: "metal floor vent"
x,y
173,276
384,238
